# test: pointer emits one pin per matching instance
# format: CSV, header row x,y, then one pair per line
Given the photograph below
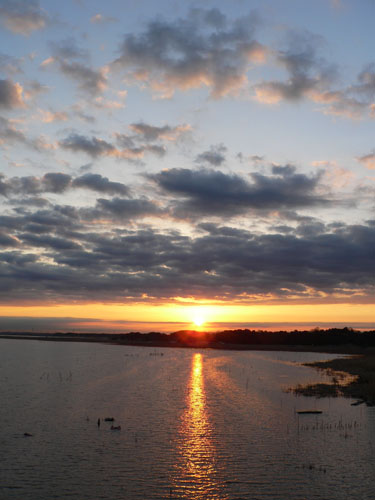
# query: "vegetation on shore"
x,y
352,377
330,340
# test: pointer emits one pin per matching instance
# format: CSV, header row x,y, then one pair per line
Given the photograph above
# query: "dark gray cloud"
x,y
222,263
214,156
148,138
212,192
48,241
312,77
10,95
93,146
100,184
29,201
132,149
129,209
72,62
89,80
308,73
156,150
58,183
204,49
152,133
366,82
7,241
55,182
23,16
68,49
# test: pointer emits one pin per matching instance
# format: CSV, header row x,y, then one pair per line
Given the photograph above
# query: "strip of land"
x,y
351,377
334,340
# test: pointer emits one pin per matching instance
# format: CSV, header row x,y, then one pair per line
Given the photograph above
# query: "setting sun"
x,y
199,320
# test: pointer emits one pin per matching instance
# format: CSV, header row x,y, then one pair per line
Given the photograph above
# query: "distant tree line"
x,y
316,337
224,339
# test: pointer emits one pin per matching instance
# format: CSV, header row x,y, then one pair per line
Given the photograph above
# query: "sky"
x,y
171,164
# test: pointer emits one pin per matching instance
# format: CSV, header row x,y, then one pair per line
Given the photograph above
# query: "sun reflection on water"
x,y
198,471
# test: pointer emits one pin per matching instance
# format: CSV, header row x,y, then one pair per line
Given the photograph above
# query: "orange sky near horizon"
x,y
114,316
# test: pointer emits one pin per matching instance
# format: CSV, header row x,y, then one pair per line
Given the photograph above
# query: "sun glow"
x,y
172,317
199,320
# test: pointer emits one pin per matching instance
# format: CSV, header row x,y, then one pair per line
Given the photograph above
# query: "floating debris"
x,y
308,412
359,402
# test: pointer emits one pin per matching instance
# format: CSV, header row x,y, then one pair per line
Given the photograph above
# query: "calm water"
x,y
195,425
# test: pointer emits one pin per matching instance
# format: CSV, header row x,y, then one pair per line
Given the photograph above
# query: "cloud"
x,y
23,16
214,156
53,116
129,209
80,111
100,184
9,133
92,81
307,72
42,144
205,192
34,89
10,95
311,77
101,103
96,147
72,63
355,101
30,185
251,158
204,50
153,133
68,49
368,160
324,264
366,82
8,241
10,65
339,103
50,242
57,182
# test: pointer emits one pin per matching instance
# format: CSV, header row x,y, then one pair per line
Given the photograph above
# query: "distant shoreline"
x,y
333,341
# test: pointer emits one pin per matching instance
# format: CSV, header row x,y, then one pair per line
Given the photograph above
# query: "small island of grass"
x,y
351,377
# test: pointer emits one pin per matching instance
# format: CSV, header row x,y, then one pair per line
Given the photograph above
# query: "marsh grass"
x,y
352,377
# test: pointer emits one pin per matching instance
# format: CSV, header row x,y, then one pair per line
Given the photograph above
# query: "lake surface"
x,y
195,424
